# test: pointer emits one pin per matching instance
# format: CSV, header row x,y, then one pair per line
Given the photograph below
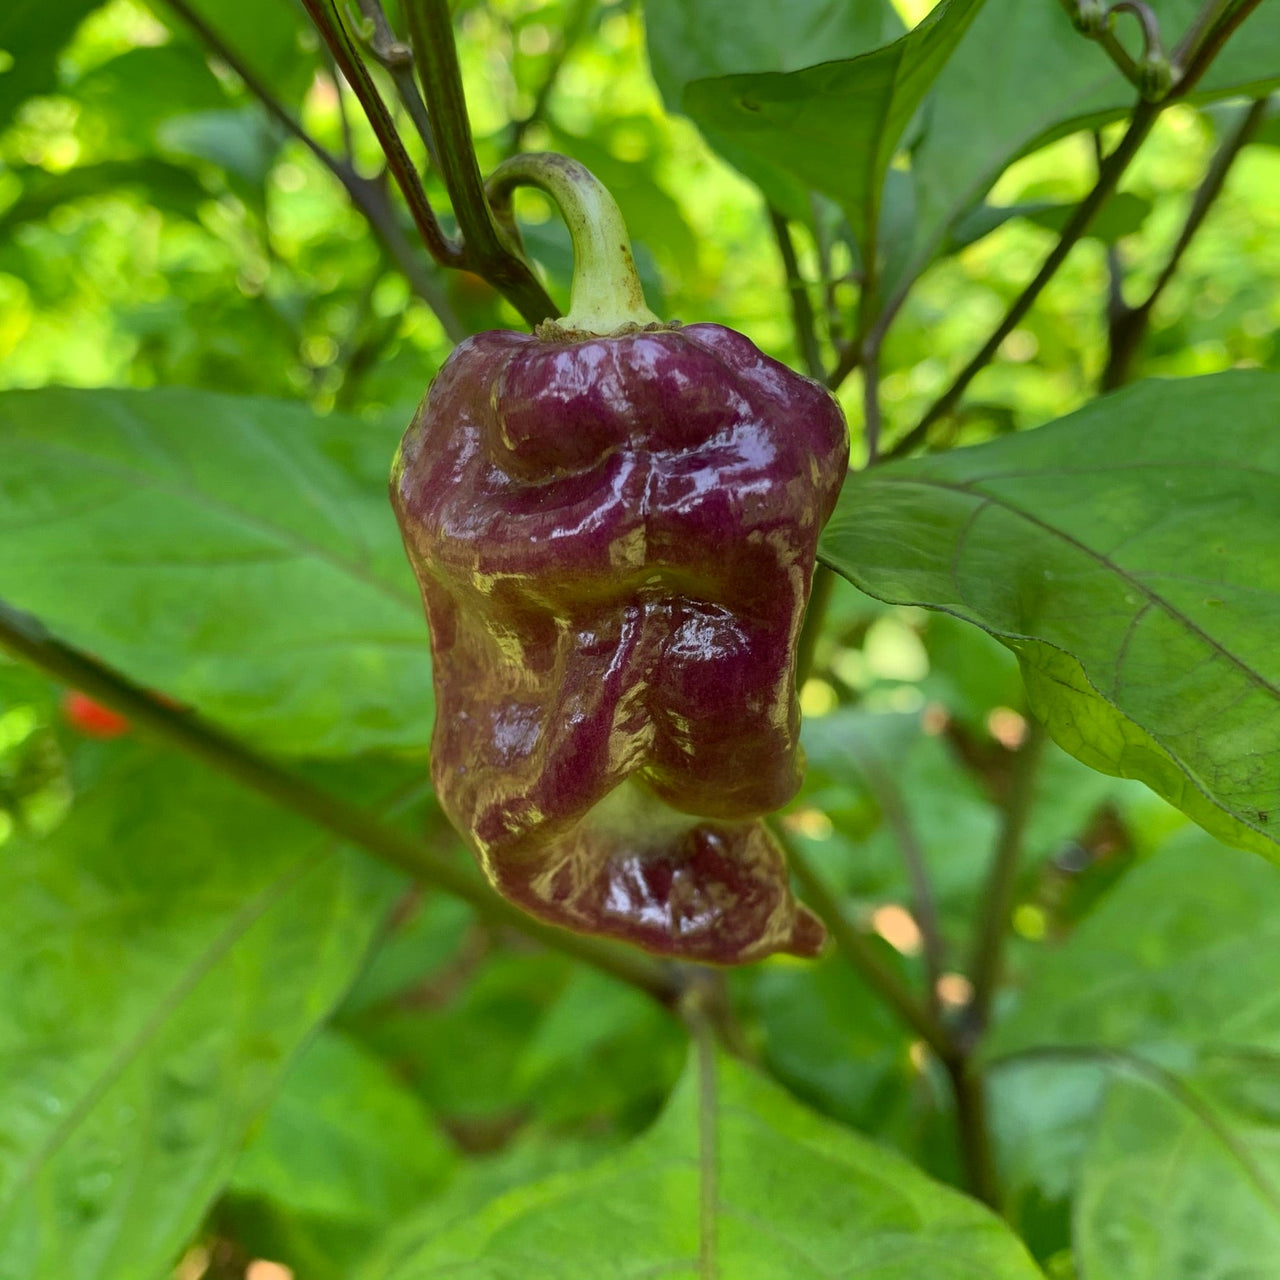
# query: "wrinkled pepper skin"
x,y
615,538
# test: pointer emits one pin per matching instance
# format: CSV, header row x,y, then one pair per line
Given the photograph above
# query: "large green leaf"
x,y
834,127
1185,1184
163,956
1023,75
1167,994
1130,555
796,1196
692,40
238,554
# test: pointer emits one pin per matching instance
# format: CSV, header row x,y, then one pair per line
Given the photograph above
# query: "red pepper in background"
x,y
92,718
614,524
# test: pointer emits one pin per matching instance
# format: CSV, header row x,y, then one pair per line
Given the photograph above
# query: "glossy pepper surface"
x,y
615,536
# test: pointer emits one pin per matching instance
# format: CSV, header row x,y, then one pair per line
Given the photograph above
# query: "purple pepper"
x,y
615,537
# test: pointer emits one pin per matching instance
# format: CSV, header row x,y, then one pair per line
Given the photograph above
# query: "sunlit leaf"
x,y
796,1196
236,554
1130,555
163,956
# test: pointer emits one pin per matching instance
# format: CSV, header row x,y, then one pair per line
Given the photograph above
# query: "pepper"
x,y
614,522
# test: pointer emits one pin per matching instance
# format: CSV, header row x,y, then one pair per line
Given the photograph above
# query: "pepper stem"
x,y
606,294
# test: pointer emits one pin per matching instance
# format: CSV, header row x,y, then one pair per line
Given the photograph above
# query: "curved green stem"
x,y
606,294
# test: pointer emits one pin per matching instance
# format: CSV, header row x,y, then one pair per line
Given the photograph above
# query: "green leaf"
x,y
1172,956
345,1150
1167,993
33,35
796,1196
164,955
237,554
694,39
1024,76
1185,1185
1129,554
836,126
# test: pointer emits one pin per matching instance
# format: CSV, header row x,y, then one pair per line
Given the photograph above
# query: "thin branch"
x,y
27,638
997,899
1207,17
344,116
396,58
1144,116
871,400
696,1008
324,15
1128,325
1106,38
969,1089
368,195
824,581
487,252
1203,53
924,903
802,316
849,359
864,957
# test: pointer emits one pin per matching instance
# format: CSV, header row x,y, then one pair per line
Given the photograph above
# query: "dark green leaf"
x,y
797,1196
836,126
165,953
694,39
237,554
33,35
1130,555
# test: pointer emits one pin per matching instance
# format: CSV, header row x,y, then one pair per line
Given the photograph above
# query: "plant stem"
x,y
324,15
824,581
1128,325
1107,39
1144,116
862,954
27,638
487,253
695,1008
606,294
368,196
871,399
924,904
802,316
997,899
1203,54
969,1089
396,58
